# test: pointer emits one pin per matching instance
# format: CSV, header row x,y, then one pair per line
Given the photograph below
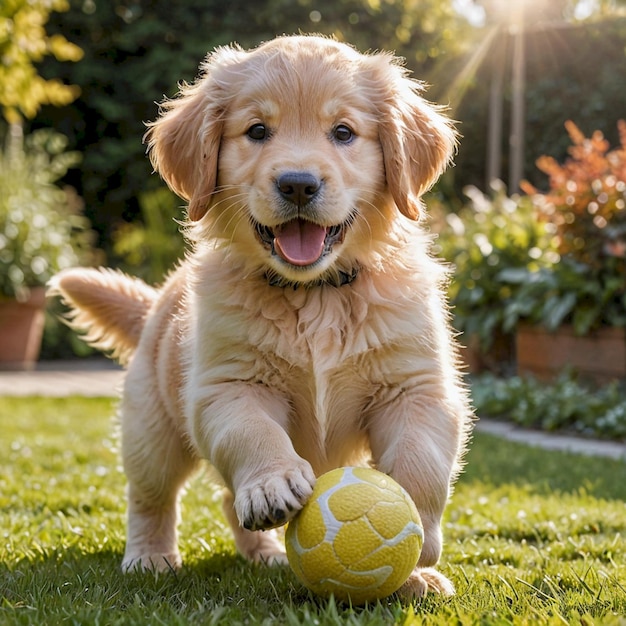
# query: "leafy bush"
x,y
562,405
568,292
150,248
41,228
489,238
548,259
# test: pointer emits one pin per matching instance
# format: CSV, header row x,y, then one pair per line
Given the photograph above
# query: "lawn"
x,y
533,537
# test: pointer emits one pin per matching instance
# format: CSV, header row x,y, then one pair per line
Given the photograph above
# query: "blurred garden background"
x,y
532,217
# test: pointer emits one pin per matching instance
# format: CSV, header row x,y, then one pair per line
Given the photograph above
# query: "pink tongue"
x,y
299,242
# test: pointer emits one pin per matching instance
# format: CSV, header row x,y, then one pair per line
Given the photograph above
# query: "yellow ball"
x,y
358,537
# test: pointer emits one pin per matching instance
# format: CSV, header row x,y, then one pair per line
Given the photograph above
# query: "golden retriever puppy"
x,y
307,329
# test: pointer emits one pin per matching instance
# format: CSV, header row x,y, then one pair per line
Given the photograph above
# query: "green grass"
x,y
533,537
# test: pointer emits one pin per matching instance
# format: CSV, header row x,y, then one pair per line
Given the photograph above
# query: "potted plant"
x,y
41,232
576,309
486,239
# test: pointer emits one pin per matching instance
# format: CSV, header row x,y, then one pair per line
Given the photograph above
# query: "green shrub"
x,y
549,258
562,405
569,292
151,248
488,238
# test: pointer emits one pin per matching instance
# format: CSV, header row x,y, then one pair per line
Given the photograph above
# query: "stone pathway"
x,y
552,441
84,377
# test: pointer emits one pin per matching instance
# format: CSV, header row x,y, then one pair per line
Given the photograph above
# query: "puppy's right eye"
x,y
258,132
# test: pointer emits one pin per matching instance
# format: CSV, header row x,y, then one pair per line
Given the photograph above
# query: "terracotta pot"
x,y
21,330
599,356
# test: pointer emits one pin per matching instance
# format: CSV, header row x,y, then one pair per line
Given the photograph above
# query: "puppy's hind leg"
x,y
157,464
255,545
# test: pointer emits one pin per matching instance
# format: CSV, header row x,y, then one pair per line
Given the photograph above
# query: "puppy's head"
x,y
301,153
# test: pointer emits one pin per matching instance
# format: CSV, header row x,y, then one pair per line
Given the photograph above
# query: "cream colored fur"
x,y
275,384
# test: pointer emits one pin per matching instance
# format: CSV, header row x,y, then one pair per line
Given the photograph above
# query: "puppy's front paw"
x,y
423,580
271,500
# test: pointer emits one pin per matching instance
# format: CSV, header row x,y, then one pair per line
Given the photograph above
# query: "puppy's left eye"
x,y
258,132
343,133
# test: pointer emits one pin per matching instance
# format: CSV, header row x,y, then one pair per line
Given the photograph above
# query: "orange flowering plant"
x,y
586,209
587,197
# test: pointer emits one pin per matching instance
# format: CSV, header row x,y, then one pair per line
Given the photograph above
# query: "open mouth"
x,y
300,242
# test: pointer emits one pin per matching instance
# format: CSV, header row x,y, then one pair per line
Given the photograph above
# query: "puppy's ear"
x,y
418,142
184,142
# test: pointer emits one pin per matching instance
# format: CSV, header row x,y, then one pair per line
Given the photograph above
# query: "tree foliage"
x,y
24,42
573,72
138,51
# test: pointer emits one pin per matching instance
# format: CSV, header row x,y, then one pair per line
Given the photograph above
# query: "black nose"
x,y
298,187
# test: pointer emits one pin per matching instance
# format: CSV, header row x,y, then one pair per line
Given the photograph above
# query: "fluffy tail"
x,y
108,306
